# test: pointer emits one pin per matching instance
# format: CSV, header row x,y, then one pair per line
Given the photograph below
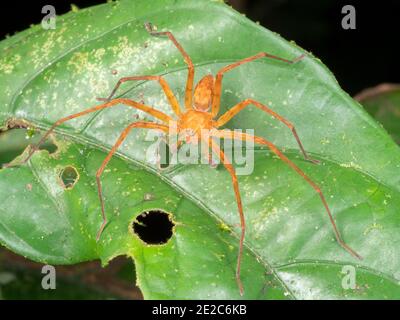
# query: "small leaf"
x,y
383,103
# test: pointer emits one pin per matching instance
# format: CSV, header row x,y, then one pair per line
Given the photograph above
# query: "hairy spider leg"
x,y
227,116
163,83
229,167
188,61
122,137
228,134
218,78
155,113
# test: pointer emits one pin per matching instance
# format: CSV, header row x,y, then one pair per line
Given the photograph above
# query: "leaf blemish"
x,y
69,177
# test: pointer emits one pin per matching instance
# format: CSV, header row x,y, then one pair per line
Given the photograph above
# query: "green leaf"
x,y
290,249
383,103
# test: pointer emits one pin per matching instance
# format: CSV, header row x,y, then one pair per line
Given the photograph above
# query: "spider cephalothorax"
x,y
200,112
196,121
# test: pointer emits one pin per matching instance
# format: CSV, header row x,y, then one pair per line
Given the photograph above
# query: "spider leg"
x,y
227,116
218,78
157,114
228,134
188,61
122,137
229,167
164,85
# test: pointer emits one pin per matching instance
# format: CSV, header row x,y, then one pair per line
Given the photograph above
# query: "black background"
x,y
359,58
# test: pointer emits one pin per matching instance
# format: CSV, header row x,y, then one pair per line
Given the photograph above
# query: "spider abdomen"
x,y
203,93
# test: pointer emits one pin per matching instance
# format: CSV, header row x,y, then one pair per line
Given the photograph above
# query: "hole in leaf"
x,y
14,140
153,227
69,177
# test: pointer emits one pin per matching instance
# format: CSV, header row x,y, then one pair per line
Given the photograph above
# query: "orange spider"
x,y
195,118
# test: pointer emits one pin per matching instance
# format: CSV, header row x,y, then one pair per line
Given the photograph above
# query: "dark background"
x,y
359,58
